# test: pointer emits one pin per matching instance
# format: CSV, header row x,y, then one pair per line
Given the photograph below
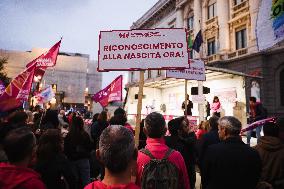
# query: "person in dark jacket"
x,y
120,118
230,163
257,112
77,147
50,120
142,136
52,164
188,107
183,140
208,139
98,127
271,151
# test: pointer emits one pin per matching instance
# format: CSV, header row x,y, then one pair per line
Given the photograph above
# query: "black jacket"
x,y
54,170
79,148
97,129
231,164
185,145
206,140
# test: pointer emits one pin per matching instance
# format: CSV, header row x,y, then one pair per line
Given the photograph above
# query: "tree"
x,y
3,74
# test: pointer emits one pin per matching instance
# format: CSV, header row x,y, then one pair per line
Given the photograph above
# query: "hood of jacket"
x,y
12,176
270,143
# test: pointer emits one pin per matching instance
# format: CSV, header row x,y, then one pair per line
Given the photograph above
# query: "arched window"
x,y
281,81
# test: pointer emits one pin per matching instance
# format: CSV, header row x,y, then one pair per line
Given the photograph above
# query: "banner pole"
x,y
185,97
139,108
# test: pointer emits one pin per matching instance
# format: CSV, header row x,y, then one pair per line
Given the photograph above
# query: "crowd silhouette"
x,y
54,150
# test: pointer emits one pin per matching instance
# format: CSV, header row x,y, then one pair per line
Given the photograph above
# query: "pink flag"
x,y
113,92
19,88
47,59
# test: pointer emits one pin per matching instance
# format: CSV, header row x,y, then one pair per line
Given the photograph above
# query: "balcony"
x,y
238,53
240,9
211,20
214,57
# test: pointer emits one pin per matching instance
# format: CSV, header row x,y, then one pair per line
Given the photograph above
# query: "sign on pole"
x,y
164,48
195,72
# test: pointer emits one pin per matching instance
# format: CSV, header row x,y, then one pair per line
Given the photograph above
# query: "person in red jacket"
x,y
118,154
155,129
19,146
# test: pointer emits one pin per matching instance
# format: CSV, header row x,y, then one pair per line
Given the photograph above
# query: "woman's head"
x,y
95,117
50,144
77,124
51,116
179,126
103,116
215,99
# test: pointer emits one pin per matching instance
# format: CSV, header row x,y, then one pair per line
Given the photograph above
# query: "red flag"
x,y
47,59
19,88
113,92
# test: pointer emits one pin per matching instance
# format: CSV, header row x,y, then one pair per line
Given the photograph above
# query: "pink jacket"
x,y
216,107
158,148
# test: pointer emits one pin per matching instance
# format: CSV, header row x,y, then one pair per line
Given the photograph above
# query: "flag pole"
x,y
139,108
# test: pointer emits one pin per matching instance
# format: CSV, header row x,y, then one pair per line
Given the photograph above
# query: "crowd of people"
x,y
48,149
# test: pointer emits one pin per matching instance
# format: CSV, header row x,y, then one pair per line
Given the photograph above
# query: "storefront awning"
x,y
212,73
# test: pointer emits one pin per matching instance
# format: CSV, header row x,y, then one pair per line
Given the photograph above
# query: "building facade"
x,y
229,41
74,78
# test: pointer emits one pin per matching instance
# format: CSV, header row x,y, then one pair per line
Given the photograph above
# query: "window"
x,y
190,23
159,73
211,47
282,87
241,39
238,2
131,76
212,11
149,74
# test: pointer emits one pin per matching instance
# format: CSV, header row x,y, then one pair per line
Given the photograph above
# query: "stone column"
x,y
197,16
223,18
197,24
254,6
179,17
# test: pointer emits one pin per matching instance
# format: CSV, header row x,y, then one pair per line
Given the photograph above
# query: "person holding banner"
x,y
257,112
188,107
216,107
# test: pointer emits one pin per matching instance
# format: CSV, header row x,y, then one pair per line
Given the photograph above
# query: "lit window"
x,y
211,47
212,11
241,39
190,23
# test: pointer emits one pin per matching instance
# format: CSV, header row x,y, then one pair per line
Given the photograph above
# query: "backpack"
x,y
159,173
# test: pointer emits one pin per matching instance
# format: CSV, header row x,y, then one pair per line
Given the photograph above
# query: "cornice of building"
x,y
273,50
151,13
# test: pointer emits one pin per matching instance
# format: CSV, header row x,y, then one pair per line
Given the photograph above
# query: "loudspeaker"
x,y
194,90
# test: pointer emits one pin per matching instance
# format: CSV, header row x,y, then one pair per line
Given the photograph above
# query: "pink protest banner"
x,y
19,88
113,92
146,49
